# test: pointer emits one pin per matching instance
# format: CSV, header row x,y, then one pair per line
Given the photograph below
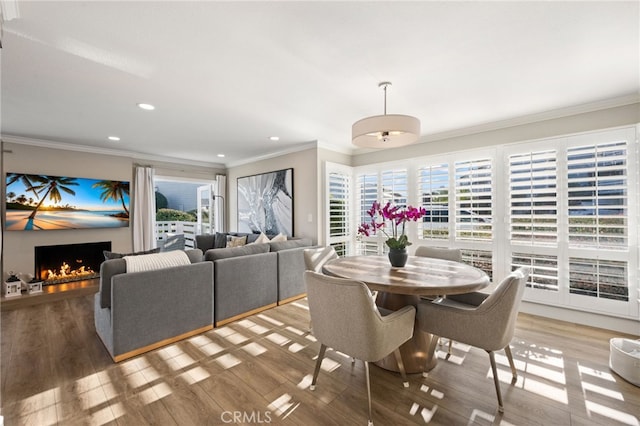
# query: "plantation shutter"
x,y
339,208
394,187
597,195
339,190
433,193
543,270
604,279
367,194
533,200
473,200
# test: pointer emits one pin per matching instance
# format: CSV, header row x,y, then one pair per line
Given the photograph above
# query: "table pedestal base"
x,y
415,351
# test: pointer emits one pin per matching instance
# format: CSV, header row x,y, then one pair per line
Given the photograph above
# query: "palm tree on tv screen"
x,y
51,186
30,182
113,190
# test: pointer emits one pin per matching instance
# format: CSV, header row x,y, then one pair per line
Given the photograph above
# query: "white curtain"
x,y
219,190
144,210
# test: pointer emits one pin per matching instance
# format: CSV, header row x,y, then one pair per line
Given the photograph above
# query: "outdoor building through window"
x,y
183,210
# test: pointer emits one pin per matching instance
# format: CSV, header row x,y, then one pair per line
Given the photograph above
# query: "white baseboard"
x,y
621,325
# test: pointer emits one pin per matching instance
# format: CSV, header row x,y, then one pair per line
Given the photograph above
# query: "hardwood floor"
x,y
54,370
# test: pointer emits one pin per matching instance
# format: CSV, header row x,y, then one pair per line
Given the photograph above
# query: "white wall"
x,y
305,189
18,246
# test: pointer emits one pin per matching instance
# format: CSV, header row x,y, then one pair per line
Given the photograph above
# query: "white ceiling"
x,y
224,76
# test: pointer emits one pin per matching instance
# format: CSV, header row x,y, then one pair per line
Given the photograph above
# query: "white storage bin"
x,y
624,359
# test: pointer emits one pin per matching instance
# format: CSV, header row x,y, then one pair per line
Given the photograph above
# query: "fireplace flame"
x,y
65,273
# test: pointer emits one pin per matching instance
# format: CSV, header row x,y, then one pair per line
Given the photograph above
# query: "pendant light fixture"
x,y
385,131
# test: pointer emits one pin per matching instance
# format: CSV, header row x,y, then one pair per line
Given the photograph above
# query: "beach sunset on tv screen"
x,y
43,202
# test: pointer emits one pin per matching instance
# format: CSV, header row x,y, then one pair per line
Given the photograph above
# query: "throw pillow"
x,y
220,240
236,241
112,255
261,239
278,238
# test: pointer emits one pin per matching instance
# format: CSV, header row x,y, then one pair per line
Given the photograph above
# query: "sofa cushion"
x,y
278,238
112,255
220,240
236,241
205,241
261,239
215,254
252,238
195,255
289,244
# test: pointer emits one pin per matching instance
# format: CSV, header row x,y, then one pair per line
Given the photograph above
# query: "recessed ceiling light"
x,y
148,107
221,155
113,138
274,138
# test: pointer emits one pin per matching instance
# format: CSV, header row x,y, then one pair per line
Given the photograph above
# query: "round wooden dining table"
x,y
398,287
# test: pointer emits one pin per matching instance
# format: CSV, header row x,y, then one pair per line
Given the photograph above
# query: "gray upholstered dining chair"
x,y
315,258
486,321
454,255
346,319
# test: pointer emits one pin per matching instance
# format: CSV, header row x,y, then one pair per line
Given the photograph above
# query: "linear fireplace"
x,y
69,262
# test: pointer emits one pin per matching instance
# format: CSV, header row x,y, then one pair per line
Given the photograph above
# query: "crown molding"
x,y
534,118
297,148
335,148
136,156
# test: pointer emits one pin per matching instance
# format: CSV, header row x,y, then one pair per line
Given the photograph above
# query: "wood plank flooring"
x,y
55,371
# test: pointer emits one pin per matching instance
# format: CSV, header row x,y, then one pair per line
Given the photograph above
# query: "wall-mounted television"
x,y
44,202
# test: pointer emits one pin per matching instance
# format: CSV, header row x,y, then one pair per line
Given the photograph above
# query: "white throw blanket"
x,y
150,262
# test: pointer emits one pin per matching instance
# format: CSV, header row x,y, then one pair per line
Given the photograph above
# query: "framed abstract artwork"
x,y
265,203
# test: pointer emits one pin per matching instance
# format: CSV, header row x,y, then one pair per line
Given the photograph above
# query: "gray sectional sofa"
x,y
136,312
254,277
139,311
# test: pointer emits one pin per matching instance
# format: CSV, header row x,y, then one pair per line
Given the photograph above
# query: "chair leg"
x,y
403,374
366,368
507,350
450,342
496,381
323,348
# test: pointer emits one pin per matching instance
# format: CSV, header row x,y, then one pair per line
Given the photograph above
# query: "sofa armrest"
x,y
151,306
291,268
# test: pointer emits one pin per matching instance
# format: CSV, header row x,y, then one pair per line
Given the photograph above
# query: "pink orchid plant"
x,y
396,217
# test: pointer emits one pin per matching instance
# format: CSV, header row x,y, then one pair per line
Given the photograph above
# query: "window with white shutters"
x,y
433,195
533,197
339,210
394,187
567,208
473,208
367,194
481,259
339,190
386,186
597,195
543,270
605,279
